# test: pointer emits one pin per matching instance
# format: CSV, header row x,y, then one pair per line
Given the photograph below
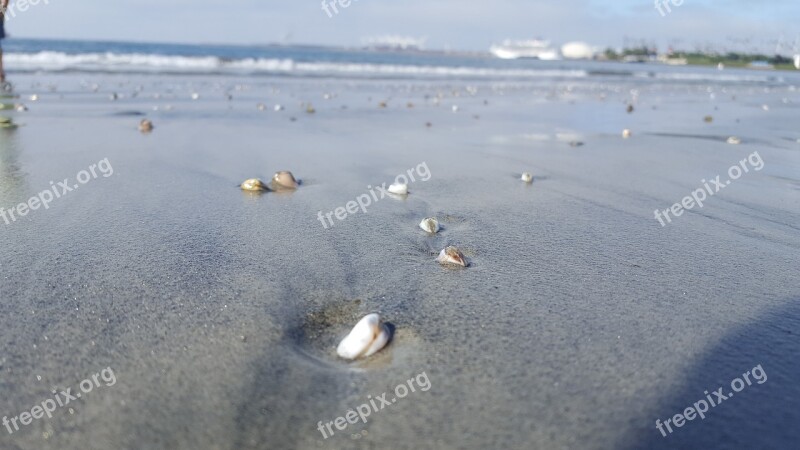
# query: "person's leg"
x,y
2,36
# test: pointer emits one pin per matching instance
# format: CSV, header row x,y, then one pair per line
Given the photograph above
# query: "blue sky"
x,y
456,24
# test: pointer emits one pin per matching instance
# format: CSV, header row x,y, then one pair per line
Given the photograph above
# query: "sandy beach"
x,y
579,322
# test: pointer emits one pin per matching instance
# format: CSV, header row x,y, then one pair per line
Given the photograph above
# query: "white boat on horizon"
x,y
534,49
395,43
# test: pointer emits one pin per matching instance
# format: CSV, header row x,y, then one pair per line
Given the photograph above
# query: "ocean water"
x,y
30,56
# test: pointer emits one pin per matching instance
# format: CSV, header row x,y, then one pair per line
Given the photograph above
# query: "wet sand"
x,y
579,322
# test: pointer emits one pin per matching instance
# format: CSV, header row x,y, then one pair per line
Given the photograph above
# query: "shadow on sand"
x,y
762,416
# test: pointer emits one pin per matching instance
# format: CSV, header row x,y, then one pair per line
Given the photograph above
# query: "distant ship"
x,y
536,49
395,43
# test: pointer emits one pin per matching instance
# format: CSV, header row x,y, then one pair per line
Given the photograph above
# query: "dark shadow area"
x,y
760,416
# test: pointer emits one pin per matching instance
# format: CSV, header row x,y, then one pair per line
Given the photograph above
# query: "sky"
x,y
446,24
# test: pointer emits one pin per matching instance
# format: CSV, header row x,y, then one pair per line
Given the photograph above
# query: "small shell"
x,y
367,338
254,184
285,179
452,255
527,177
734,140
626,133
398,188
430,225
145,126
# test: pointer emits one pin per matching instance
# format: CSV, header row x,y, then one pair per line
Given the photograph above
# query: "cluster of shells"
x,y
283,180
370,334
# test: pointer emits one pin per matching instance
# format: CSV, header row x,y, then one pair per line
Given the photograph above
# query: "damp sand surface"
x,y
579,322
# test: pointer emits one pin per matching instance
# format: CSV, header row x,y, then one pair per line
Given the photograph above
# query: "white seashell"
x,y
626,133
430,225
367,338
734,140
398,188
278,108
452,255
527,177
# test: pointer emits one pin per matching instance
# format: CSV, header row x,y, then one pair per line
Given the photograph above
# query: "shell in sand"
x,y
398,189
254,185
452,256
368,336
284,180
430,225
145,126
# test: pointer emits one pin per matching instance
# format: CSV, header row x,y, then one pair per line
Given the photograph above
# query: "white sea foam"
x,y
134,62
50,61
